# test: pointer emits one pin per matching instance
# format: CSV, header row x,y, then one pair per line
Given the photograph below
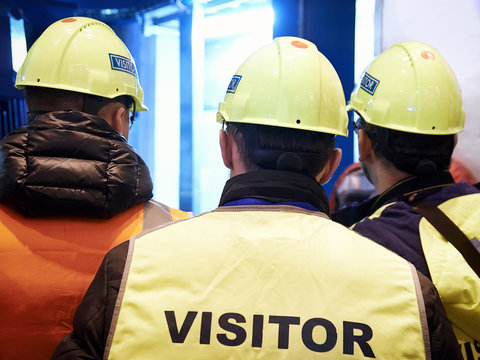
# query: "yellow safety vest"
x,y
456,282
279,283
46,265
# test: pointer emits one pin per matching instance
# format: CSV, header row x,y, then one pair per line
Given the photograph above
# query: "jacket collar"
x,y
276,187
410,186
422,187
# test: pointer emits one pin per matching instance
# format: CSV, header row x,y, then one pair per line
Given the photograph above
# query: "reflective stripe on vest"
x,y
271,284
46,266
155,211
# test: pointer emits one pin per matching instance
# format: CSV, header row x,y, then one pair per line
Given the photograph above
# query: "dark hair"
x,y
42,99
47,99
280,148
419,154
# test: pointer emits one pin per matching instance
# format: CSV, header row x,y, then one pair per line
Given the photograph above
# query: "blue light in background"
x,y
228,36
18,41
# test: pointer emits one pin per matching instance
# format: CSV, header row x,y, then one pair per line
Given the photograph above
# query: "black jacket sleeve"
x,y
93,317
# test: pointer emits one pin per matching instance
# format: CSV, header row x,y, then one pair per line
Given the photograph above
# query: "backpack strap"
x,y
470,249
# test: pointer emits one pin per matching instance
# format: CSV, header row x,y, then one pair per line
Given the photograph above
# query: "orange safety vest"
x,y
46,266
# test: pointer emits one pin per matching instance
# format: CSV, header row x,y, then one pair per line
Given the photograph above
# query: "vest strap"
x,y
451,232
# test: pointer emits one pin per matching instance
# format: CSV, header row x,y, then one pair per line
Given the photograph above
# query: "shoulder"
x,y
399,219
395,226
453,191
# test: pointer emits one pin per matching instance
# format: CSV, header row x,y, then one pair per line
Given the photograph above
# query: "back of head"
x,y
82,56
410,101
287,103
42,99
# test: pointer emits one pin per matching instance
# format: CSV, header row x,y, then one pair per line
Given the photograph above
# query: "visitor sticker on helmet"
x,y
122,63
369,83
232,87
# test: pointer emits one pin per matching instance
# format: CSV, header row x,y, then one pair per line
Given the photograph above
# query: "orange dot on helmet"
x,y
299,44
69,20
427,55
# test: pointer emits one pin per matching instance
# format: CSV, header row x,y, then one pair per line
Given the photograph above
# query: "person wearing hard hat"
x,y
267,274
71,188
409,109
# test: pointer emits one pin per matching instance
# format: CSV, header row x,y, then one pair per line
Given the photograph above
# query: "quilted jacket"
x,y
71,163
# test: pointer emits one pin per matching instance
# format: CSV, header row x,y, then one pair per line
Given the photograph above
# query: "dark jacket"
x,y
94,315
400,220
70,163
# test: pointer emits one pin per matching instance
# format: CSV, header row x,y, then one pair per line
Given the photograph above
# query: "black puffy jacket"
x,y
71,164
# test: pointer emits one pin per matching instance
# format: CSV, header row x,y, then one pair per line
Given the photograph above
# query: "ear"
x,y
115,114
365,149
330,166
117,118
226,148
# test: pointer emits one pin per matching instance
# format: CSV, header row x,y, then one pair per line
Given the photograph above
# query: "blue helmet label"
x,y
232,87
122,63
369,83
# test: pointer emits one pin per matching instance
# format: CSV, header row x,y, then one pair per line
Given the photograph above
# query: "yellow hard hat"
x,y
82,55
410,88
287,83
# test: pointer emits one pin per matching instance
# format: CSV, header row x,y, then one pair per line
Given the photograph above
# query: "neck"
x,y
386,176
